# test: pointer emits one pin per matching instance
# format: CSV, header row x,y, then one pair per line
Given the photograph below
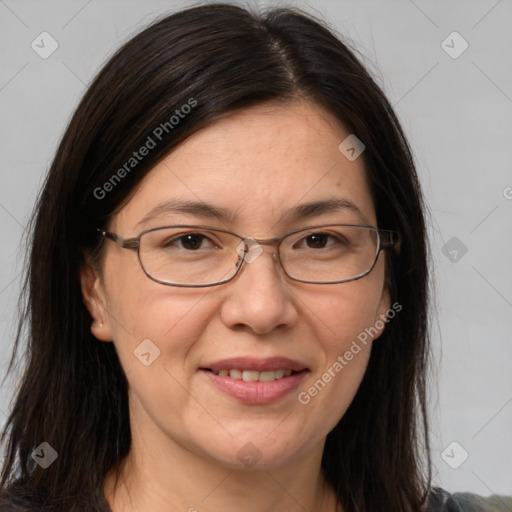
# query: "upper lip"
x,y
256,364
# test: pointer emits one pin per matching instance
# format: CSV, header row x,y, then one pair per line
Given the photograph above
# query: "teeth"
x,y
235,374
254,376
249,376
267,376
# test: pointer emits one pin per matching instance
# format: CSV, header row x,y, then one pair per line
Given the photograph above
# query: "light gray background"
x,y
458,117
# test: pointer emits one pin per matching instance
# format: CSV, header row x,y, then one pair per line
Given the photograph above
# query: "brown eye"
x,y
317,240
320,241
192,241
189,241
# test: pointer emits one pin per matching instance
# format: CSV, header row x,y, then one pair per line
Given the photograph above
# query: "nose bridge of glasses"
x,y
250,248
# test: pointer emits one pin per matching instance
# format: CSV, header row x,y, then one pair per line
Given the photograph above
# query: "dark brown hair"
x,y
73,393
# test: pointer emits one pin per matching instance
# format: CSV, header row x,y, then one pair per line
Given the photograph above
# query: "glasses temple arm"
x,y
388,239
128,243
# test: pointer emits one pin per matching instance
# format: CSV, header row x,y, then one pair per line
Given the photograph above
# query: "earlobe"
x,y
94,299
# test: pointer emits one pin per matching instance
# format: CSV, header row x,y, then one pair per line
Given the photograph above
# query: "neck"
x,y
177,478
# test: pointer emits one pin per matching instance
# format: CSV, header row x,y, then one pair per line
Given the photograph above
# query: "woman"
x,y
228,285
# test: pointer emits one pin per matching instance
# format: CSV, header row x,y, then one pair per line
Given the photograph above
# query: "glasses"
x,y
200,256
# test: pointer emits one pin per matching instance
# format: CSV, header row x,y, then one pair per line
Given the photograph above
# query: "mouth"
x,y
256,381
254,376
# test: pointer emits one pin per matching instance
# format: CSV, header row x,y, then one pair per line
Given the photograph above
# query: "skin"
x,y
185,432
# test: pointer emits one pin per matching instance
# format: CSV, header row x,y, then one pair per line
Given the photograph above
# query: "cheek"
x,y
156,345
345,347
343,312
147,317
173,323
343,318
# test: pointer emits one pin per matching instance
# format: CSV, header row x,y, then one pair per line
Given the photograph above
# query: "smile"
x,y
251,388
254,376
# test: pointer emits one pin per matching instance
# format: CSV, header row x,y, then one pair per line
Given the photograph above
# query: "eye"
x,y
189,241
319,240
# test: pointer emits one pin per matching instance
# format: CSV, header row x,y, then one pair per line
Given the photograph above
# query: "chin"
x,y
255,452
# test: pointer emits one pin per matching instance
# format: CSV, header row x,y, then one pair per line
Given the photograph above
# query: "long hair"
x,y
218,59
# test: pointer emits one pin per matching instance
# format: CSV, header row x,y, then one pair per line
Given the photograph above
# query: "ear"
x,y
93,294
381,316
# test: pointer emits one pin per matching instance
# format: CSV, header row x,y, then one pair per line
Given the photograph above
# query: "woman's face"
x,y
257,166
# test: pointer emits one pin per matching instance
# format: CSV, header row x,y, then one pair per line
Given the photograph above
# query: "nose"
x,y
259,299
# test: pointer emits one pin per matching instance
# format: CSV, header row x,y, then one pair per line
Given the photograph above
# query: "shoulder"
x,y
440,500
473,503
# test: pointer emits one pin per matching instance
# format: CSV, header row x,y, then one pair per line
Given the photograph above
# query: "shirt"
x,y
443,501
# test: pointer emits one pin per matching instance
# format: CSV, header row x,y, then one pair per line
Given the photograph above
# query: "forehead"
x,y
255,165
275,135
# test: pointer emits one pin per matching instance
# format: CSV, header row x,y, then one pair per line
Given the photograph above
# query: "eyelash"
x,y
303,239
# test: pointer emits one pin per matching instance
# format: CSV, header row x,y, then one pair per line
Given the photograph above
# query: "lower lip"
x,y
256,392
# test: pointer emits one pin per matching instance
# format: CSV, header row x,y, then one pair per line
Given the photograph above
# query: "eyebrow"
x,y
208,211
197,208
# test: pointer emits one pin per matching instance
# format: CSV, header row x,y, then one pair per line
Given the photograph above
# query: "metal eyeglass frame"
x,y
387,239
